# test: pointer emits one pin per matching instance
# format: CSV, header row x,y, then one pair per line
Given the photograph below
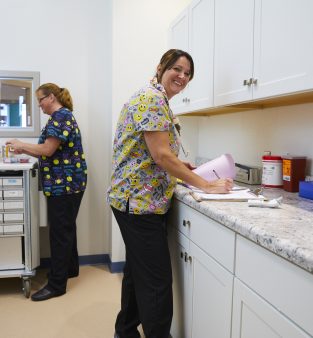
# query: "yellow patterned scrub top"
x,y
135,176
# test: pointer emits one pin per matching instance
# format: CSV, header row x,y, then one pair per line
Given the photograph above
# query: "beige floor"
x,y
87,310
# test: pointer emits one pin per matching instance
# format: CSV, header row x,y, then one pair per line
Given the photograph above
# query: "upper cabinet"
x,y
262,49
193,31
252,51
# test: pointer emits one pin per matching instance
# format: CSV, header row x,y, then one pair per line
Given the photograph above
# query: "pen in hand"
x,y
216,174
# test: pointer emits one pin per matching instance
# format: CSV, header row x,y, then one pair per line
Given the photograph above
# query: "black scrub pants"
x,y
147,282
62,214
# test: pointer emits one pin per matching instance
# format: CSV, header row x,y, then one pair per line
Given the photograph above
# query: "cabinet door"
x,y
212,296
254,317
201,47
233,58
181,268
179,38
283,53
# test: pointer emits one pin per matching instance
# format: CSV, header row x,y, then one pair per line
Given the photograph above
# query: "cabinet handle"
x,y
255,81
184,99
187,100
181,254
186,223
187,258
248,82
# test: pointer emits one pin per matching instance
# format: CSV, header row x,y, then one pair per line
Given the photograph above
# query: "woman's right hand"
x,y
220,186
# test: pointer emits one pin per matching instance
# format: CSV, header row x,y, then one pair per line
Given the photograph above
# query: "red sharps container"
x,y
293,172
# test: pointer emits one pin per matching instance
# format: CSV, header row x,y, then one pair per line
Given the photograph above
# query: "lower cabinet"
x,y
181,270
202,291
211,286
262,296
254,317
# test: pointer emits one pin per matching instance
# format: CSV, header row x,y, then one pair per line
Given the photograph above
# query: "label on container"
x,y
272,174
286,170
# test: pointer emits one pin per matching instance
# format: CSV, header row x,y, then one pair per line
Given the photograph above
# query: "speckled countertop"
x,y
287,231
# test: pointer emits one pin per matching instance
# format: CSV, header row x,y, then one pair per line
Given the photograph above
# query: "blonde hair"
x,y
62,94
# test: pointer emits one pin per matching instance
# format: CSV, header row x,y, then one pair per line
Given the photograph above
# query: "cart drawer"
x,y
13,194
13,229
13,217
12,182
12,205
11,253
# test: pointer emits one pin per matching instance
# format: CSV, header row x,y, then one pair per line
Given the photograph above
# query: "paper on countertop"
x,y
234,195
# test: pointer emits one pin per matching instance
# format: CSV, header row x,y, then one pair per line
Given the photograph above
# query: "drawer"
x,y
13,217
212,237
12,205
1,205
1,217
281,283
11,253
12,182
13,229
1,230
8,194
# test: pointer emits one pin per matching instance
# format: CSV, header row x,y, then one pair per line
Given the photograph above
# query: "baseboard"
x,y
103,259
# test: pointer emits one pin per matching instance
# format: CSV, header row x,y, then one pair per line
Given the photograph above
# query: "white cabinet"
x,y
193,31
261,49
202,286
254,317
225,285
211,305
181,270
284,286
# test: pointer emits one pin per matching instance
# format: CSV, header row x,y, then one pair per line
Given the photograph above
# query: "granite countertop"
x,y
286,231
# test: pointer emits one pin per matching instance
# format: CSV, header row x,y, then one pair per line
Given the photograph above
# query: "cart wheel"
x,y
26,287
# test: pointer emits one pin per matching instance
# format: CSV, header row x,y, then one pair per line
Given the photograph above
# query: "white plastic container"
x,y
272,171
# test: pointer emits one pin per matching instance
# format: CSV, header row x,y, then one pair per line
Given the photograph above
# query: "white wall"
x,y
140,37
69,43
72,43
246,135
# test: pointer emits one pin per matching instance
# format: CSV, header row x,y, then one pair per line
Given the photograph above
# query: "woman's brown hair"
x,y
62,94
169,59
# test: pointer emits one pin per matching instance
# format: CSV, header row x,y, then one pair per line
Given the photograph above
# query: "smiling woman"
x,y
19,114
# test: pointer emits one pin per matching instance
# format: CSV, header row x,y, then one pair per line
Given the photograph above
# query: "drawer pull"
x,y
186,223
187,258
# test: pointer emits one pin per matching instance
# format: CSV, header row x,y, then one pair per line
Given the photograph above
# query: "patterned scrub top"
x,y
65,172
136,177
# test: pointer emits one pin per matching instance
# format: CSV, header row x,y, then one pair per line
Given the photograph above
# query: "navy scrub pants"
x,y
147,282
62,214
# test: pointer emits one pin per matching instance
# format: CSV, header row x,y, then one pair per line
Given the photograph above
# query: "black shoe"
x,y
46,293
